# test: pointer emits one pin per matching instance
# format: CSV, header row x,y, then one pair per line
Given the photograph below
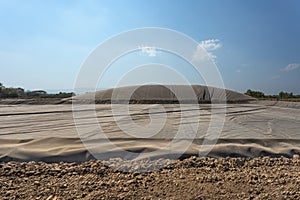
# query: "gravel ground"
x,y
192,178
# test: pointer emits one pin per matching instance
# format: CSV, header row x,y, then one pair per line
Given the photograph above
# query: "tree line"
x,y
280,95
12,92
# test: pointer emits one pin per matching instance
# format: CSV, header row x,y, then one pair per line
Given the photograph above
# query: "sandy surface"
x,y
48,132
193,178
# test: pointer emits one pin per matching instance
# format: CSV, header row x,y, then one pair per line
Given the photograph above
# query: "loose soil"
x,y
192,178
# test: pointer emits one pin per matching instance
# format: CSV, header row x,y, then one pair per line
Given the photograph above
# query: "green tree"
x,y
285,95
255,94
1,88
36,93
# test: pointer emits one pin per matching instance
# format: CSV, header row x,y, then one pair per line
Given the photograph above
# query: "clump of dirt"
x,y
192,178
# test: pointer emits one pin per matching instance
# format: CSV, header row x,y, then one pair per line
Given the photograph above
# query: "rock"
x,y
63,186
30,173
55,170
132,181
295,157
37,183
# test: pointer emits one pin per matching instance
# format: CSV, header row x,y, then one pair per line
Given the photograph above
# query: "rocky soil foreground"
x,y
192,178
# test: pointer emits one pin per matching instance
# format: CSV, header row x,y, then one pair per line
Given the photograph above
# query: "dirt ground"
x,y
192,178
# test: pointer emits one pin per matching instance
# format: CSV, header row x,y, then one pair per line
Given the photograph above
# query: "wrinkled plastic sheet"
x,y
49,133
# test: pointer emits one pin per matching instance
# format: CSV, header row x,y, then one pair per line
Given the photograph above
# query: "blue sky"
x,y
255,44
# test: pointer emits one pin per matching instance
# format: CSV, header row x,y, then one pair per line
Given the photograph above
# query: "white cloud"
x,y
202,55
291,67
211,45
151,51
205,48
274,77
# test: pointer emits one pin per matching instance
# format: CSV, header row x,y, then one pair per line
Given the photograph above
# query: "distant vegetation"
x,y
281,96
21,93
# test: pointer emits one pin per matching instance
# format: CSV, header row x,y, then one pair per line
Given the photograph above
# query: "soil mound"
x,y
160,94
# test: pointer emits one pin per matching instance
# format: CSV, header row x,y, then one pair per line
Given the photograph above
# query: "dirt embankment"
x,y
193,178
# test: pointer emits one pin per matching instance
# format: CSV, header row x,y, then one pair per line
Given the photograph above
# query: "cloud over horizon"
x,y
290,67
205,48
211,44
151,51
